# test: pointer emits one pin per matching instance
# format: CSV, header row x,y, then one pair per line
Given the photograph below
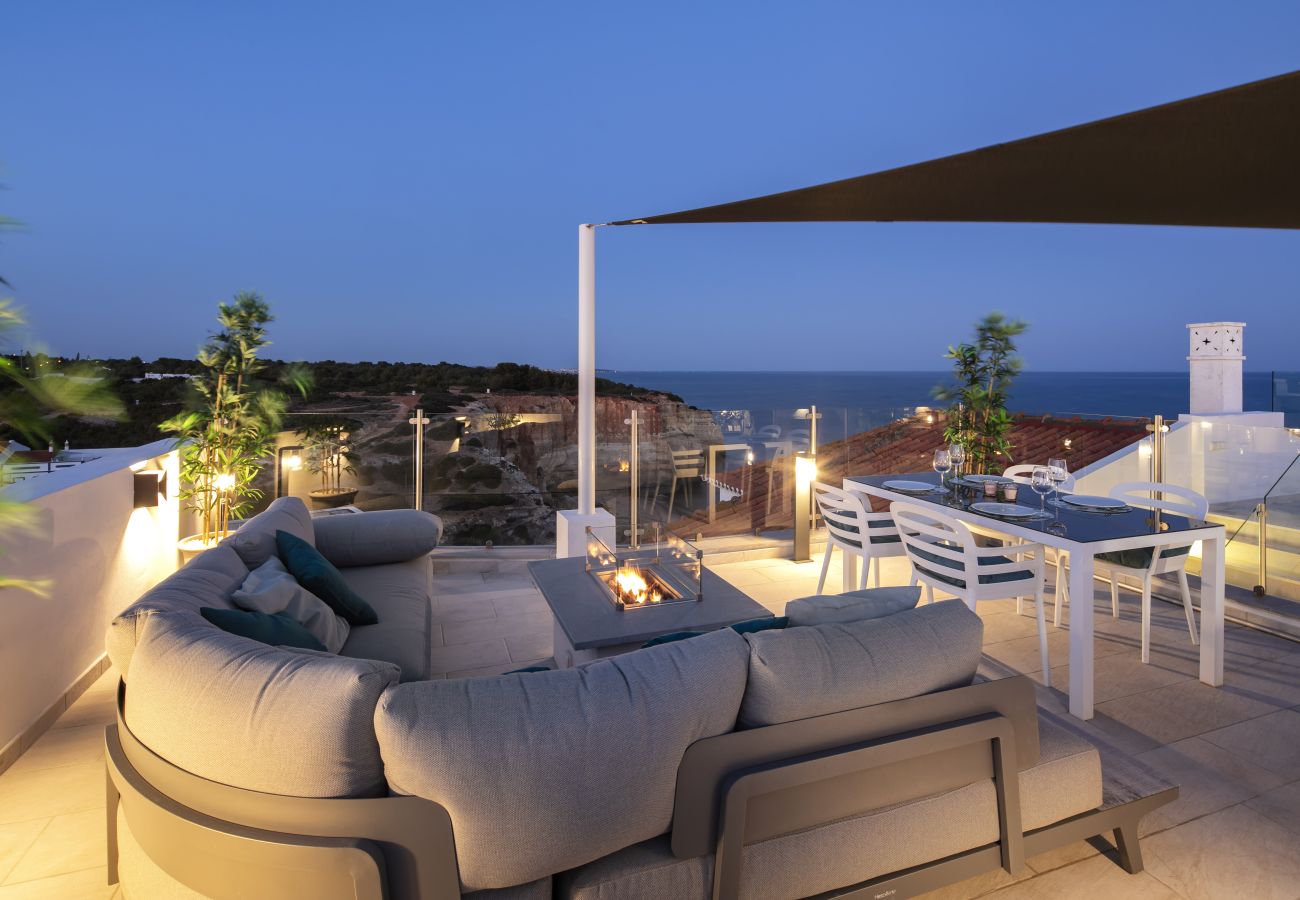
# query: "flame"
x,y
633,588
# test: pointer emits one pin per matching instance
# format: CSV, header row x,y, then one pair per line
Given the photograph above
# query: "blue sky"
x,y
403,180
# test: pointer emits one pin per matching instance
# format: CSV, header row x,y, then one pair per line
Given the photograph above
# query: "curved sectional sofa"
x,y
785,763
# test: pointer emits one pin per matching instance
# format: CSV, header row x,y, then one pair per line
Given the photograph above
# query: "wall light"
x,y
150,487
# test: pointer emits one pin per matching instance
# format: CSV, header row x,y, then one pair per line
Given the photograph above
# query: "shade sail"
x,y
1230,158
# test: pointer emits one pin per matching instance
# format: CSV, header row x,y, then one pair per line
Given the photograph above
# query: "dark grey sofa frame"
x,y
732,790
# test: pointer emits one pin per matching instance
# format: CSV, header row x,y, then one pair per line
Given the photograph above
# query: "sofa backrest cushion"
x,y
207,580
377,538
798,673
852,606
226,708
254,541
549,770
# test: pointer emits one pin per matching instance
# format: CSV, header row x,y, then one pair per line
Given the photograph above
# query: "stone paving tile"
x,y
15,838
454,633
1282,805
51,792
459,657
1182,710
69,843
87,884
63,746
1209,779
1121,675
462,608
1271,741
531,646
1233,853
1094,877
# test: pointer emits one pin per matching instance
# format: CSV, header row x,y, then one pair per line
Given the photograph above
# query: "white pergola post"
x,y
572,524
586,369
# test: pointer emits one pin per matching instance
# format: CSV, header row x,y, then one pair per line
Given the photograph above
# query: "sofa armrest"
x,y
377,538
709,763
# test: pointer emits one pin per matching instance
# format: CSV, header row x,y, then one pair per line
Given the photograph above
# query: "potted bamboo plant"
x,y
329,456
230,429
984,370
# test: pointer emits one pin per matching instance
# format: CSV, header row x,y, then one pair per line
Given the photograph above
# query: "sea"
x,y
867,399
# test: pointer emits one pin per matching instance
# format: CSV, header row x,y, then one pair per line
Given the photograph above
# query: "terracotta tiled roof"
x,y
908,445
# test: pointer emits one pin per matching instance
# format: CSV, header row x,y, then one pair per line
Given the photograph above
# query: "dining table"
x,y
1082,534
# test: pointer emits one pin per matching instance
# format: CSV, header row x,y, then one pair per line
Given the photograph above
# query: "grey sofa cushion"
x,y
255,539
229,709
376,538
1065,782
271,589
550,770
400,596
852,606
207,580
803,672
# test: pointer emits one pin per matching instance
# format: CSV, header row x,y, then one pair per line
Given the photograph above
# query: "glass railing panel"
x,y
1285,397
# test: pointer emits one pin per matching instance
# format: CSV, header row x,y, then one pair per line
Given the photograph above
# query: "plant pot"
x,y
332,498
195,544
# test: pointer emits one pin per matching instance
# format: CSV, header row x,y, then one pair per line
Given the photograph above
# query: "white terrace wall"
x,y
100,554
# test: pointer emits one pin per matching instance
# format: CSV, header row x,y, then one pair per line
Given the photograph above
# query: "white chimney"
x,y
1215,357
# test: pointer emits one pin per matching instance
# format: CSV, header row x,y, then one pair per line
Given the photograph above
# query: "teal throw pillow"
x,y
275,629
527,670
318,575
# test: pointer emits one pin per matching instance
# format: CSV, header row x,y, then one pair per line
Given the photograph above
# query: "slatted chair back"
x,y
1023,474
688,463
1172,498
846,517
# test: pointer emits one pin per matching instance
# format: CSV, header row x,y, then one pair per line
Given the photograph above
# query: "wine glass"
x,y
957,453
1041,481
942,463
1060,471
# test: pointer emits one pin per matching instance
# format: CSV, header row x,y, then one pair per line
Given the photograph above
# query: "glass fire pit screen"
x,y
667,571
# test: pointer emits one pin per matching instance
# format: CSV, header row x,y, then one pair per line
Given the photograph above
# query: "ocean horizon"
x,y
872,398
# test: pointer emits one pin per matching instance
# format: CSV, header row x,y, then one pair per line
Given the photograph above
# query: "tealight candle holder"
x,y
990,489
1010,492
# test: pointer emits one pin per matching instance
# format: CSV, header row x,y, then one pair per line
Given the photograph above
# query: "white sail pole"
x,y
586,369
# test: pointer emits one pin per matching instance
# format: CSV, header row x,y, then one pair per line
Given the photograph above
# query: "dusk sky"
x,y
404,181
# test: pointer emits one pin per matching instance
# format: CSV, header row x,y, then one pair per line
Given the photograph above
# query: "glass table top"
x,y
1062,521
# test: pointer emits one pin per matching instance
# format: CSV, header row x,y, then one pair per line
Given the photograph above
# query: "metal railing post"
x,y
1262,511
419,421
634,480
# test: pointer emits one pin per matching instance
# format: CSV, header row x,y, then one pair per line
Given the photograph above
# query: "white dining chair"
x,y
1144,563
1022,473
945,557
847,519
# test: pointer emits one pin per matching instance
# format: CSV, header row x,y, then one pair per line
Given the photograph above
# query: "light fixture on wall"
x,y
150,487
287,459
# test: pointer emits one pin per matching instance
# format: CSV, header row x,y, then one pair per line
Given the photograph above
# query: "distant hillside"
x,y
440,386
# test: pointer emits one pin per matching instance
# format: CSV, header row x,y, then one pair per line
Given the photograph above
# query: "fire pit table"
x,y
591,624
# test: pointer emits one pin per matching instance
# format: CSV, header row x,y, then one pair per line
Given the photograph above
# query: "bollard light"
x,y
805,473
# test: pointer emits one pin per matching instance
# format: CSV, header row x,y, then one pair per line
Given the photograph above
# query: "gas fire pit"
x,y
663,573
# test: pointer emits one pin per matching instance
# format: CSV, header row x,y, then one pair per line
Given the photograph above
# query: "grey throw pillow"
x,y
852,606
271,589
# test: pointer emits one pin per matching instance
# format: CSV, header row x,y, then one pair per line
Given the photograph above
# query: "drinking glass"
x,y
942,463
1060,470
957,453
1042,483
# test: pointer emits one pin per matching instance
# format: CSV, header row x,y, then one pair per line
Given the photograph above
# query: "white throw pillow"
x,y
853,606
271,589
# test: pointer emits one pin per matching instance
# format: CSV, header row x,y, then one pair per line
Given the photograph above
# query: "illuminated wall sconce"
x,y
150,488
287,459
805,473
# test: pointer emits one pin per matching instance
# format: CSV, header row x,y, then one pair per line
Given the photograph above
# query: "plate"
x,y
1083,501
980,479
1004,510
909,487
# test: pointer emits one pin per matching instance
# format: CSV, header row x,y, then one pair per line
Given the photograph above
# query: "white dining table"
x,y
1083,535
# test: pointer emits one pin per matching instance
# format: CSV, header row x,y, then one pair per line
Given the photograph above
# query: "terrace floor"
x,y
1235,751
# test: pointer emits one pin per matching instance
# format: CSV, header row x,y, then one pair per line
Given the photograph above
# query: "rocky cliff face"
x,y
500,467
